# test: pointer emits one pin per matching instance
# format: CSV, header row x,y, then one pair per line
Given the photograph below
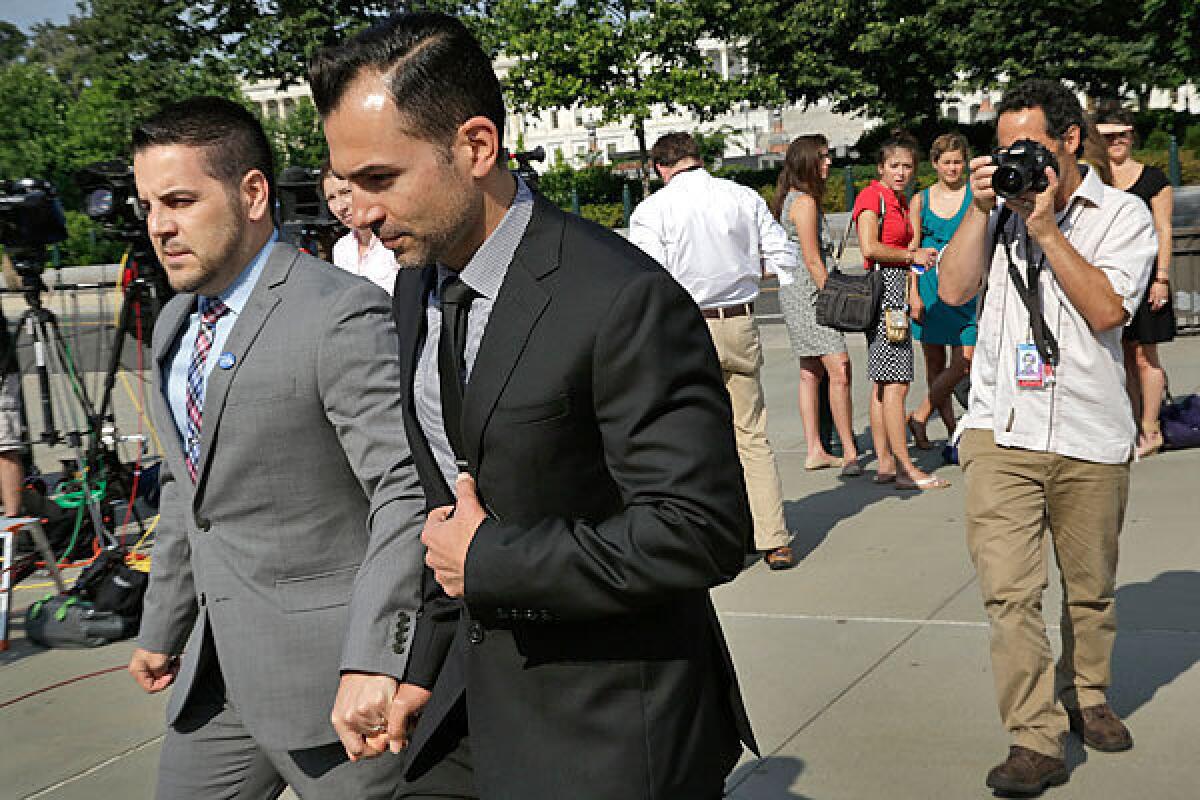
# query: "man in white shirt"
x,y
359,252
716,237
1049,432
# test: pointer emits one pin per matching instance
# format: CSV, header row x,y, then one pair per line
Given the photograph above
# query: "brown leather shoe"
x,y
1100,728
1026,773
780,558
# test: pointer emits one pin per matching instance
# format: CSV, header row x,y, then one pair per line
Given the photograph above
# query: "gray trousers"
x,y
209,755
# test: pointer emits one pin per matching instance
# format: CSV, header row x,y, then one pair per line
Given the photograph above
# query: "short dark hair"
x,y
230,135
672,148
1057,102
436,72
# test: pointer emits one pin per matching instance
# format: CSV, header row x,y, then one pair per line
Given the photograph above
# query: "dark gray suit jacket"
x,y
587,652
298,547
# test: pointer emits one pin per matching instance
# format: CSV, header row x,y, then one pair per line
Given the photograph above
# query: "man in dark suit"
x,y
584,486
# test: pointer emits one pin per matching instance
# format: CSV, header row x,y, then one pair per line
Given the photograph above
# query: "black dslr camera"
x,y
31,217
1021,167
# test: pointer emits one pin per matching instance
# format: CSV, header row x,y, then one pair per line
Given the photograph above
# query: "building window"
x,y
289,105
611,149
952,113
554,120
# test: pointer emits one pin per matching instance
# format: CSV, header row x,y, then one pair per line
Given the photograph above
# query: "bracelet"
x,y
1164,281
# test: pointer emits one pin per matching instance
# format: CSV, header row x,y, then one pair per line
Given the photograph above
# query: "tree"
x,y
1103,47
273,39
623,57
888,58
297,140
12,42
34,130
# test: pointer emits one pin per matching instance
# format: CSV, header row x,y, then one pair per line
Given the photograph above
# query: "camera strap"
x,y
1028,289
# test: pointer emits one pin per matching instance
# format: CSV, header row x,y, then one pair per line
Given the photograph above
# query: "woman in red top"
x,y
884,234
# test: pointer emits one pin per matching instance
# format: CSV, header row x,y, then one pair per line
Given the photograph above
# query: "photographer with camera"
x,y
1048,435
359,252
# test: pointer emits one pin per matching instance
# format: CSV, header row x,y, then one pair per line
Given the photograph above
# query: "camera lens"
x,y
100,203
1009,181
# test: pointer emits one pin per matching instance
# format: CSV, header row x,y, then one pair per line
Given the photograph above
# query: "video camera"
x,y
112,201
1021,167
525,168
304,217
31,217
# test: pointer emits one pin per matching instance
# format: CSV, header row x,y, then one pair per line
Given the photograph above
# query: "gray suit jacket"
x,y
297,550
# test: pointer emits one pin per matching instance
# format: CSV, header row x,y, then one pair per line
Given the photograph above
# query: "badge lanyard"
x,y
1028,290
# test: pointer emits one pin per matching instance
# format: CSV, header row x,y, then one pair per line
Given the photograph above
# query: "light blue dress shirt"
x,y
235,298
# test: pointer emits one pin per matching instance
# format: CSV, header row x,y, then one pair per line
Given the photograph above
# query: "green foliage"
x,y
610,215
273,39
12,42
596,184
33,135
1191,139
87,243
1189,162
1158,140
622,56
297,141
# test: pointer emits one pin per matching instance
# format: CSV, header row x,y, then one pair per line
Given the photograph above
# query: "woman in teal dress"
x,y
937,212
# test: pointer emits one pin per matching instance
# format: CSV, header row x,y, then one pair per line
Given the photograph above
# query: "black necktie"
x,y
456,305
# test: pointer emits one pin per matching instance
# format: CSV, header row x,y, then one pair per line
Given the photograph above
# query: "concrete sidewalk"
x,y
865,668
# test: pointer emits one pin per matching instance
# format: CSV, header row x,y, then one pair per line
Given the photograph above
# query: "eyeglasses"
x,y
824,155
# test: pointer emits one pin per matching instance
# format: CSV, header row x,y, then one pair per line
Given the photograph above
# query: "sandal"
x,y
825,463
925,484
884,477
919,434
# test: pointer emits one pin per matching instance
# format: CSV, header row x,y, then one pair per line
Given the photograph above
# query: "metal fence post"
x,y
626,203
575,201
848,177
1174,168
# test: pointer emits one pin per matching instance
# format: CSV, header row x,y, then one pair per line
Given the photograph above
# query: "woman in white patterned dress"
x,y
821,350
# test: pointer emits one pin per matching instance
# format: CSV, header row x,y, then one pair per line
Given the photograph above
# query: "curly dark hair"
x,y
1057,102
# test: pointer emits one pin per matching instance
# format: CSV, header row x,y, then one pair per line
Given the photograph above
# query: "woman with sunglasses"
x,y
1154,321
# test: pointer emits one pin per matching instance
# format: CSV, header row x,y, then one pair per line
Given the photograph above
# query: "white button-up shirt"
x,y
714,236
378,265
1085,412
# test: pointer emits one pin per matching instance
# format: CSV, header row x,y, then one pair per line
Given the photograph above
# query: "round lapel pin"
x,y
227,360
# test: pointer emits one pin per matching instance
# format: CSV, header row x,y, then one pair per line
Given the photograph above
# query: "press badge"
x,y
1031,370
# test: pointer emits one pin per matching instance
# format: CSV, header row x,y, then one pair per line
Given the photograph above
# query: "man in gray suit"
x,y
287,551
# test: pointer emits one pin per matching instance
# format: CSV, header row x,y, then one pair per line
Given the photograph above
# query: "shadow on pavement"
x,y
1159,640
767,779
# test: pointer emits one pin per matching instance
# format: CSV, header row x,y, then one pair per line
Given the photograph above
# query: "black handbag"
x,y
849,303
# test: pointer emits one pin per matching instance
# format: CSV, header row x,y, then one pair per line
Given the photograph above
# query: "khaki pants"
x,y
1013,497
740,352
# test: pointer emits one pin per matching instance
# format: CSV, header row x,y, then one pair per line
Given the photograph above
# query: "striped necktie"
x,y
211,310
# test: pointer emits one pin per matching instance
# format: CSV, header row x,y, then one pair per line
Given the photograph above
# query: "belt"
x,y
725,312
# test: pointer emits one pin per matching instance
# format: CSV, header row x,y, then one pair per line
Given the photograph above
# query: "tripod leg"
x,y
36,333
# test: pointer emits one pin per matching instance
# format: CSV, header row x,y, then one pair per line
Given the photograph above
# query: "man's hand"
x,y
1038,209
361,713
402,716
448,534
153,671
982,193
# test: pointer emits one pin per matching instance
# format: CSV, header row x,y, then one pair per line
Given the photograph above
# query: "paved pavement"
x,y
865,668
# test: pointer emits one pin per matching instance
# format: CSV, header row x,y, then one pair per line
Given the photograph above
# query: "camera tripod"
x,y
52,358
